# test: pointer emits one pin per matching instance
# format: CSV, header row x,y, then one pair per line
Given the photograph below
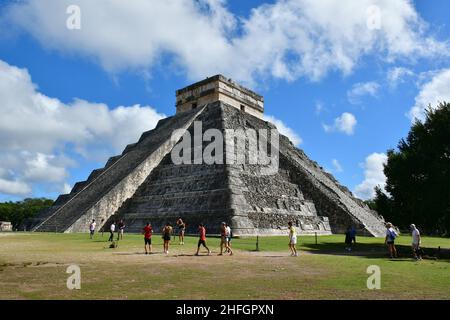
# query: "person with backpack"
x,y
391,235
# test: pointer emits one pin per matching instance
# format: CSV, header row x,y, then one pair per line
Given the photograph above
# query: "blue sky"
x,y
345,80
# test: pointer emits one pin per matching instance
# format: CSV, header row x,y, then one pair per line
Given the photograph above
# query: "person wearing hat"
x,y
415,242
391,234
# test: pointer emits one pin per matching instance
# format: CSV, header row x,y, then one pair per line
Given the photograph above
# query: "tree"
x,y
17,212
418,175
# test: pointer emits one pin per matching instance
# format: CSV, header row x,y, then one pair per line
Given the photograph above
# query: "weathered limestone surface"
x,y
105,191
143,185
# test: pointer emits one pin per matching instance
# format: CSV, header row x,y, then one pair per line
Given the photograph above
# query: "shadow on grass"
x,y
375,251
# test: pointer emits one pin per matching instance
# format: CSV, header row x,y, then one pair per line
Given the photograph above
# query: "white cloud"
x,y
359,90
38,133
337,166
431,94
285,130
398,75
373,176
66,188
287,39
345,123
14,187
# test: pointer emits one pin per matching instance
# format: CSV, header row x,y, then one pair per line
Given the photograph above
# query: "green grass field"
x,y
33,266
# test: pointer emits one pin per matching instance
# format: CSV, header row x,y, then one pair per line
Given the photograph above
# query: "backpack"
x,y
392,234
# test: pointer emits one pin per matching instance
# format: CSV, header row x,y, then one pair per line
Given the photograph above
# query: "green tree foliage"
x,y
418,175
17,212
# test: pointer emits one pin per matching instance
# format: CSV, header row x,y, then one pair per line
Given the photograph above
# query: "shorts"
x,y
390,242
166,237
201,242
92,231
148,241
293,240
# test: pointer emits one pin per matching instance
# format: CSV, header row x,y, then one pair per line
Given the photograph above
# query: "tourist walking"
x,y
348,239
166,235
416,240
353,234
121,227
181,229
112,229
92,228
202,240
391,235
147,231
292,239
228,237
223,239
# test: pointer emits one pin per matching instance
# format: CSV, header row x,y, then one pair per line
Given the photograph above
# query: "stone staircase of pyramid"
x,y
330,199
103,185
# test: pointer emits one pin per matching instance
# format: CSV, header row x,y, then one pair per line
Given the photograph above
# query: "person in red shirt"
x,y
202,240
147,231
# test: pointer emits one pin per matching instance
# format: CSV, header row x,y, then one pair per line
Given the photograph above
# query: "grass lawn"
x,y
33,266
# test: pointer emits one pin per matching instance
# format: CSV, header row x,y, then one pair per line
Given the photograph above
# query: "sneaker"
x,y
209,252
296,255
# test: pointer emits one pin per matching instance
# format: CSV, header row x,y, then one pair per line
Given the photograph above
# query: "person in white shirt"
x,y
92,228
415,242
111,230
228,237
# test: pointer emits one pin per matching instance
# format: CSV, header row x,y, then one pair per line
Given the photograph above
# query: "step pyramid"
x,y
143,184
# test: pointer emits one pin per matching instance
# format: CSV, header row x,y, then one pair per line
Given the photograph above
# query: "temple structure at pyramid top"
x,y
219,88
144,184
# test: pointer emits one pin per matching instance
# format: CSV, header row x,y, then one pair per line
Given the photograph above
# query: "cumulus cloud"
x,y
14,187
39,134
287,39
373,176
345,123
285,130
431,94
359,90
